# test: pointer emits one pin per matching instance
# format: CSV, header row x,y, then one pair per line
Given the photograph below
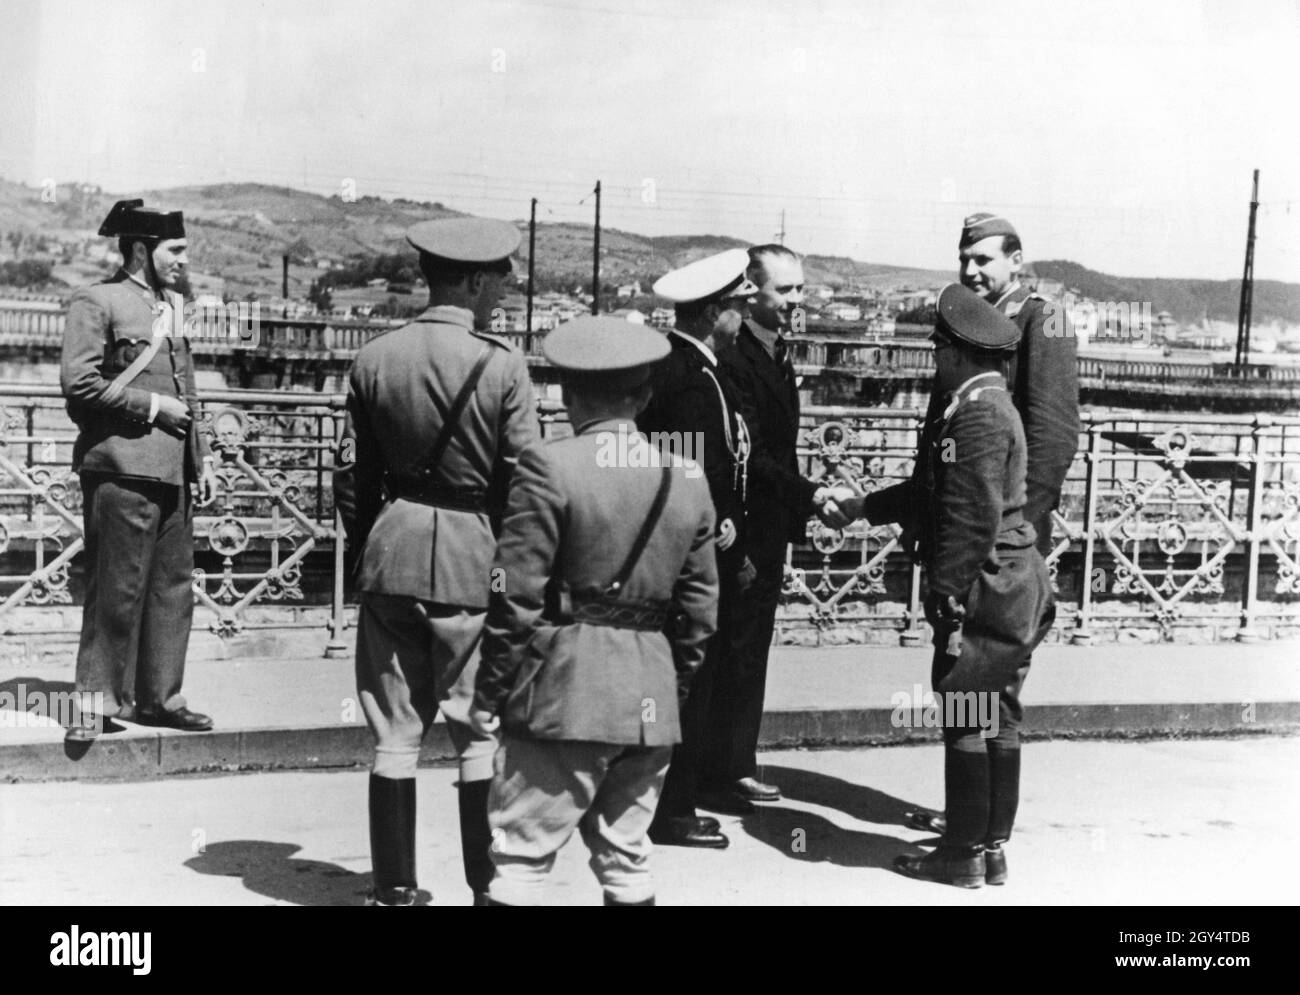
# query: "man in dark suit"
x,y
694,413
990,599
437,413
779,501
128,376
1043,377
610,595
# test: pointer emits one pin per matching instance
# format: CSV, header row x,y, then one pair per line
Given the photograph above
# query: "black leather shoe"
x,y
946,865
726,801
686,831
391,896
180,718
89,728
995,864
754,790
927,821
86,731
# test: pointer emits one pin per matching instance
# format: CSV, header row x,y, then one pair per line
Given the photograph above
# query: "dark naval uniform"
x,y
778,504
696,413
965,500
120,354
422,520
609,597
692,400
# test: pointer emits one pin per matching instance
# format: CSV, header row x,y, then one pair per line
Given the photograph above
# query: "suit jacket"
x,y
574,517
779,500
402,384
1044,380
108,326
695,412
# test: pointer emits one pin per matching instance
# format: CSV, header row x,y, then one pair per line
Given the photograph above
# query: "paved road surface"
x,y
1207,821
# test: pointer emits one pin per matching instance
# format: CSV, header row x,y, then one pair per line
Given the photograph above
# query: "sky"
x,y
1121,135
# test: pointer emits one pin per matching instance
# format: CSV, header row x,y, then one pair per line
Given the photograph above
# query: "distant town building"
x,y
839,311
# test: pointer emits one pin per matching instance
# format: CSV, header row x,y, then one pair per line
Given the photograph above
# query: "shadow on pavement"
x,y
53,700
271,869
855,800
805,836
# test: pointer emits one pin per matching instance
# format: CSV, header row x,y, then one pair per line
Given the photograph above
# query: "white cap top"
x,y
708,277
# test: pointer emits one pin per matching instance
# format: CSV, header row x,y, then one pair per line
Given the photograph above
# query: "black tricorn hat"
x,y
130,218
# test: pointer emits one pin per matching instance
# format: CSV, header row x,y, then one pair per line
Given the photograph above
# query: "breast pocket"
x,y
125,352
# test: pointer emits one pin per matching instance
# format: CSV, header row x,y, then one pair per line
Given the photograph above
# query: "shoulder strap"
x,y
452,423
647,527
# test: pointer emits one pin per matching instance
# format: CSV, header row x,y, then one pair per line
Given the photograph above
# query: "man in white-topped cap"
x,y
437,413
696,414
610,595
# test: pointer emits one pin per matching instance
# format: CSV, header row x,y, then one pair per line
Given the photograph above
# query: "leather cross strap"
x,y
647,528
452,423
160,332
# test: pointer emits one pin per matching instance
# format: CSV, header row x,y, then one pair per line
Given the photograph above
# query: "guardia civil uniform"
x,y
609,596
437,412
990,599
696,409
123,350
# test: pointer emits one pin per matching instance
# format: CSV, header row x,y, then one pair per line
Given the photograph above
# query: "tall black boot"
x,y
959,860
476,836
392,840
1004,799
966,796
627,905
1004,793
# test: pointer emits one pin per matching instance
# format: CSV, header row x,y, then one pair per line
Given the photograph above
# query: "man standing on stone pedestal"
x,y
128,376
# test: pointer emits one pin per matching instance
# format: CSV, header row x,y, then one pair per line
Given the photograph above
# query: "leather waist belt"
x,y
472,499
602,609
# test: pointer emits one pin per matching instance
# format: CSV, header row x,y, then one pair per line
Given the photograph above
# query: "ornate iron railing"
x,y
1179,526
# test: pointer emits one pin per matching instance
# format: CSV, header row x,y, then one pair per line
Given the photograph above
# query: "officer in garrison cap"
x,y
990,599
129,382
610,594
695,412
437,413
1043,376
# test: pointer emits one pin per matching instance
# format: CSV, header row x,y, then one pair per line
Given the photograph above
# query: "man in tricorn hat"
x,y
437,413
610,595
990,599
695,412
129,384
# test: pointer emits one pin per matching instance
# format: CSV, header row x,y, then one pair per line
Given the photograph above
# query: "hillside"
x,y
239,231
1186,300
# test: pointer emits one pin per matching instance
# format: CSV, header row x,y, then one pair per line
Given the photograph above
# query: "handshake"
x,y
837,506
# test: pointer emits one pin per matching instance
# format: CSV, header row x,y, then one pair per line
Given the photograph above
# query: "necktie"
x,y
781,354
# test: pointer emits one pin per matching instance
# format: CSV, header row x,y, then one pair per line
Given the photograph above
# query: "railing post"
x,y
913,635
1254,517
1082,635
337,647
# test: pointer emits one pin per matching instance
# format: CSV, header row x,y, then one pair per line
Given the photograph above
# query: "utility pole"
x,y
532,251
284,276
781,234
1247,285
595,261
